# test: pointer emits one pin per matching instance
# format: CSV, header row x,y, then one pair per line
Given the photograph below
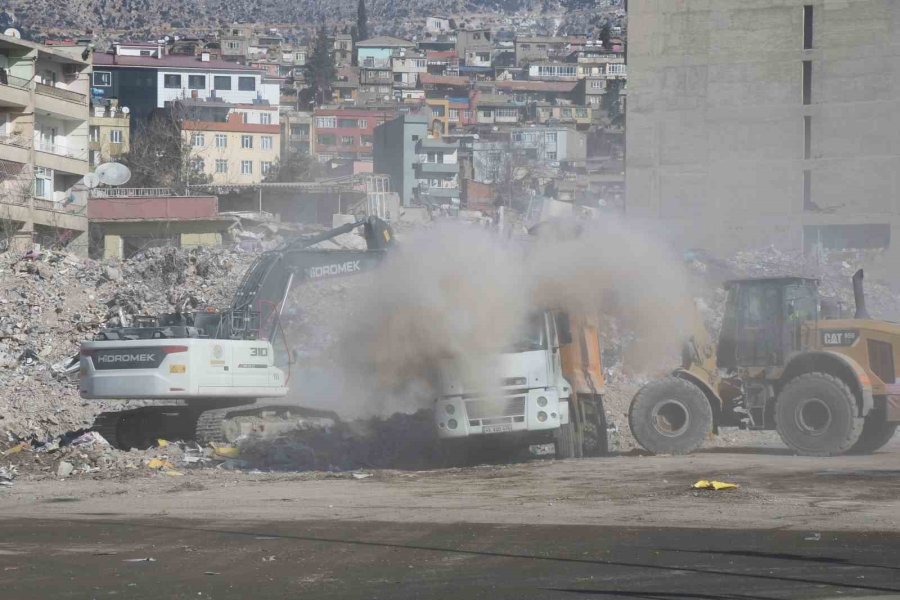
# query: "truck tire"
x,y
815,415
670,416
876,432
567,440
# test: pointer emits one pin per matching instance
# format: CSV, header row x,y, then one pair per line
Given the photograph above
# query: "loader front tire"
x,y
876,433
670,416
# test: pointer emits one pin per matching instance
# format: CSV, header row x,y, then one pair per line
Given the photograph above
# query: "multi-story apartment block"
x,y
235,42
232,144
296,133
406,68
345,132
44,131
110,131
539,48
771,122
423,169
550,144
144,79
552,71
343,50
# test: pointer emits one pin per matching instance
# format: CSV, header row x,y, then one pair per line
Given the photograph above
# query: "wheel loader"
x,y
827,385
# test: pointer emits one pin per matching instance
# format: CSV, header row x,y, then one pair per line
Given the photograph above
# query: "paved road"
x,y
335,559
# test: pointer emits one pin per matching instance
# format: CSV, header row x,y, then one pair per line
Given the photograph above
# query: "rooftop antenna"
x,y
113,173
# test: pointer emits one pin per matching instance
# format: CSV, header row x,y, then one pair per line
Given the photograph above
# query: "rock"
x,y
64,469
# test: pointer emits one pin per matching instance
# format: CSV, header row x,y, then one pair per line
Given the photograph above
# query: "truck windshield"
x,y
532,337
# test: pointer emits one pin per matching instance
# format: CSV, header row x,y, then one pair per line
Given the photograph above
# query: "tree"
x,y
362,21
294,167
320,67
354,37
605,33
611,102
160,156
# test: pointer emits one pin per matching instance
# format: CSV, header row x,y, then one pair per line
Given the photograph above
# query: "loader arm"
x,y
260,297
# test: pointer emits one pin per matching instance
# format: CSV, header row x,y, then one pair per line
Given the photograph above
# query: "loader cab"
x,y
762,322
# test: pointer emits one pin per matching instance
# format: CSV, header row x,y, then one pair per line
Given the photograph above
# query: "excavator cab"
x,y
762,322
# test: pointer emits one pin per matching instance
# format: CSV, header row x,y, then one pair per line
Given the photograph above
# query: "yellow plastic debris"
x,y
162,443
173,473
159,463
703,484
227,451
15,449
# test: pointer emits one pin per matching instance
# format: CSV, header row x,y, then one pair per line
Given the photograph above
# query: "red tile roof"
x,y
440,54
169,61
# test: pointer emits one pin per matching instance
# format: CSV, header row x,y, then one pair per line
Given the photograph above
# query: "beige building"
x,y
110,132
234,144
771,122
43,144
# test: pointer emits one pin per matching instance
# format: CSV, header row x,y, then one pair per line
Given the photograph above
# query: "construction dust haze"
x,y
455,295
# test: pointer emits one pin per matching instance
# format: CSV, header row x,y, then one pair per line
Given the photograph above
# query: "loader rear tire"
x,y
876,433
816,415
670,416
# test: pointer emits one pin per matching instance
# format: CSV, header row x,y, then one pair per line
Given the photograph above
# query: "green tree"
x,y
612,100
362,21
320,68
294,167
605,33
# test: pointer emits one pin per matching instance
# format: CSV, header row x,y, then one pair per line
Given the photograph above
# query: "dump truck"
x,y
826,384
215,375
547,389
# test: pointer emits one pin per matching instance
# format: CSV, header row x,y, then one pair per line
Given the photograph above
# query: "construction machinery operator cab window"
x,y
533,336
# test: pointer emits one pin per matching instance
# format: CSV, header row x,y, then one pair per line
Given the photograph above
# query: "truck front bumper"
x,y
528,410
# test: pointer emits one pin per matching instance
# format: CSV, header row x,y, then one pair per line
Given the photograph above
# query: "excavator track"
x,y
227,425
141,427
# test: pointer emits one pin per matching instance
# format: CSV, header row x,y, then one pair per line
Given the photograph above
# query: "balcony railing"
x,y
16,82
15,140
120,192
60,150
55,92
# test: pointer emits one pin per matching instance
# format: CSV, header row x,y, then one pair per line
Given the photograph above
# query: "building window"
x,y
264,167
197,165
365,140
842,237
247,84
233,45
43,182
115,136
198,140
95,134
807,190
266,142
808,27
807,137
246,141
265,119
325,140
102,79
221,165
348,123
326,122
222,82
807,82
172,81
347,140
221,140
246,167
245,117
550,137
551,155
196,82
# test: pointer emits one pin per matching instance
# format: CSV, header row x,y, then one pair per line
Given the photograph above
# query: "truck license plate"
x,y
496,428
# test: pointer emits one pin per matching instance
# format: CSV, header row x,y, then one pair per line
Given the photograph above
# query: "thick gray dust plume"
x,y
462,293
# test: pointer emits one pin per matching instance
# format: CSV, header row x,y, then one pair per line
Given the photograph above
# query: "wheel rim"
x,y
813,416
670,418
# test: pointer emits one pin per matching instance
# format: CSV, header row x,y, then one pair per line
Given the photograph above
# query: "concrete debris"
x,y
64,469
7,475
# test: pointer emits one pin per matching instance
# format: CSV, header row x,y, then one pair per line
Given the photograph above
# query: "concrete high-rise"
x,y
765,122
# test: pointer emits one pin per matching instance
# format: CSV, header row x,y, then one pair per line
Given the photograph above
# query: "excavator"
x,y
783,361
203,375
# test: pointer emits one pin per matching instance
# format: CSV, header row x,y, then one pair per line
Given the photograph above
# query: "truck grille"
x,y
500,407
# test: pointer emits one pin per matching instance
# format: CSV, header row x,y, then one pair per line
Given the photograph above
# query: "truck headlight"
x,y
450,409
541,401
452,423
542,416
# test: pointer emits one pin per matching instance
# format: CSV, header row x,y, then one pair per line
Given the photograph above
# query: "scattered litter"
x,y
173,473
211,573
226,451
813,537
268,558
361,475
137,560
89,439
7,474
159,463
714,485
15,449
161,443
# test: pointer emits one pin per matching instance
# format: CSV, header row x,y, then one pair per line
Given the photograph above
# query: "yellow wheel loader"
x,y
827,385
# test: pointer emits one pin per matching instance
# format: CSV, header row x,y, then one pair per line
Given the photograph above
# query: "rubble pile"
x,y
51,301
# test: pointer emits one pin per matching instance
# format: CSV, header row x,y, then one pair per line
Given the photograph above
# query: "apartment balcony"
x,y
62,102
430,168
58,215
61,158
15,92
15,149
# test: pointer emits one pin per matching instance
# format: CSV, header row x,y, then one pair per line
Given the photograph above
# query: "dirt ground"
x,y
777,491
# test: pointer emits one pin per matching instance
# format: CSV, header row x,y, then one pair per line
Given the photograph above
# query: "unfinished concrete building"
x,y
765,122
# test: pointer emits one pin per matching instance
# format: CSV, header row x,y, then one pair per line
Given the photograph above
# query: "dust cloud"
x,y
462,293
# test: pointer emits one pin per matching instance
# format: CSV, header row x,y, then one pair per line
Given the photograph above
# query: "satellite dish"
x,y
91,180
113,173
12,32
126,110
